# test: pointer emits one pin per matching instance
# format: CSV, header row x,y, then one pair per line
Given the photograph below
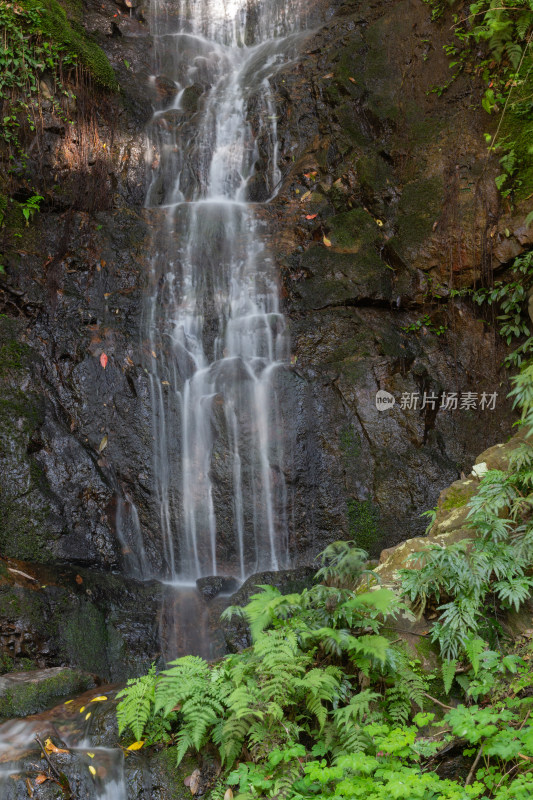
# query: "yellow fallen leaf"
x,y
92,770
91,755
50,747
82,709
68,701
305,196
165,383
326,241
379,223
99,699
228,795
154,355
103,444
87,715
135,746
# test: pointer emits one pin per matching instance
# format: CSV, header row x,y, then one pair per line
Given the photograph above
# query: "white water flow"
x,y
217,341
21,762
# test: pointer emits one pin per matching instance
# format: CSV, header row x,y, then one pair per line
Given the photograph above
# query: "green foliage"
x,y
510,298
492,569
137,705
63,30
301,677
501,32
30,206
323,706
37,37
425,322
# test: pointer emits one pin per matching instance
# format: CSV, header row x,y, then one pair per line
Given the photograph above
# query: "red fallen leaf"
x,y
79,579
103,360
311,216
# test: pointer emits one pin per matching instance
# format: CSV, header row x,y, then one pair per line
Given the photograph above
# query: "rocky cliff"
x,y
387,203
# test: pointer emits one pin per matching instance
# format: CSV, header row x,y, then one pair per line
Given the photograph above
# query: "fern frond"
x,y
135,708
448,669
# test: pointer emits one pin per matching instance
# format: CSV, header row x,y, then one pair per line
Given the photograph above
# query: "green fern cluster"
x,y
301,679
322,706
490,571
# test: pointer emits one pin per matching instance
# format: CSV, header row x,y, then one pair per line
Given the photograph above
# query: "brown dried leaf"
x,y
193,781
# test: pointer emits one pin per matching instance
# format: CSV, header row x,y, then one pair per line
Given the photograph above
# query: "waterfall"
x,y
216,341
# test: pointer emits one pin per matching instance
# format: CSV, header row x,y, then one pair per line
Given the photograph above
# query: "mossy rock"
x,y
419,207
62,24
24,693
363,525
352,230
14,354
169,777
343,278
517,134
497,457
400,557
350,445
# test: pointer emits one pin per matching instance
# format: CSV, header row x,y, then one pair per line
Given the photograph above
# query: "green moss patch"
x,y
419,207
24,693
363,524
455,499
351,230
62,26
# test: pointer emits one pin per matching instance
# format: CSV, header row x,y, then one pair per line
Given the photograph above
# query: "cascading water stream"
x,y
216,336
94,772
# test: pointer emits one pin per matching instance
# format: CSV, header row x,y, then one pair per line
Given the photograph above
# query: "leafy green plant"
x,y
306,713
510,299
425,322
38,38
31,206
24,56
490,570
301,678
500,31
137,704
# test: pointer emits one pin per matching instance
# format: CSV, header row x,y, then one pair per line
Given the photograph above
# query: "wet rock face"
x,y
401,189
101,623
387,204
212,586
